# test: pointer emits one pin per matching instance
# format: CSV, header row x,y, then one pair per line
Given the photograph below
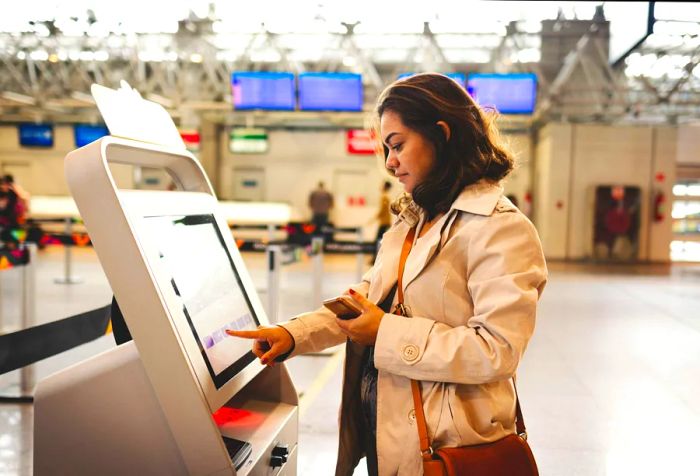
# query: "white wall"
x,y
688,152
663,176
294,164
573,159
519,182
551,184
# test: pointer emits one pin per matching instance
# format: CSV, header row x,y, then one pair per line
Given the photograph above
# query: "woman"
x,y
471,285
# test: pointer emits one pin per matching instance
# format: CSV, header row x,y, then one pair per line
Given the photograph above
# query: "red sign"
x,y
191,139
360,141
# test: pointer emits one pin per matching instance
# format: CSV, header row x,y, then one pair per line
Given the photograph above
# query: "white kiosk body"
x,y
175,399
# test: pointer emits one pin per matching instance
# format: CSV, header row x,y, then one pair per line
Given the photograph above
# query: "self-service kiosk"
x,y
182,398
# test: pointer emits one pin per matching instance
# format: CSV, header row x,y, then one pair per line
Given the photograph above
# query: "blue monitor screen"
x,y
36,135
330,92
87,133
513,93
461,78
263,90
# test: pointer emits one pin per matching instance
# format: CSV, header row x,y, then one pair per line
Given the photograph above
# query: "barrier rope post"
x,y
68,260
2,326
317,259
274,260
360,256
28,313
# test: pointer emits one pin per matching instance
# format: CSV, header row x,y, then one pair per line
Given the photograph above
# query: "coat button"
x,y
410,352
412,415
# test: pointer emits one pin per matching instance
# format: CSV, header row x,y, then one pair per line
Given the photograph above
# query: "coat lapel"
x,y
418,260
389,265
479,199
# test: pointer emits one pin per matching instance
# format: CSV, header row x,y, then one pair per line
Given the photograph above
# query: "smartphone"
x,y
343,307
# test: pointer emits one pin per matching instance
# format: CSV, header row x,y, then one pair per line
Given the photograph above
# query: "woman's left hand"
x,y
362,329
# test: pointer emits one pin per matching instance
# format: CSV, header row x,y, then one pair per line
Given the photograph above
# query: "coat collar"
x,y
480,199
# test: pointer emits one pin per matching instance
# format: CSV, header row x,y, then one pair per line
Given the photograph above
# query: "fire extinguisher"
x,y
659,206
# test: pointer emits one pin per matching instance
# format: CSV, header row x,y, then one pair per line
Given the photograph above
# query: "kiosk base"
x,y
103,417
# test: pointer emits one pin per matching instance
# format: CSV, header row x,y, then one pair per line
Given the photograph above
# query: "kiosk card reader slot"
x,y
239,451
183,397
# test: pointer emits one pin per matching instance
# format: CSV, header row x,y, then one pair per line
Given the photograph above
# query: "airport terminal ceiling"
x,y
613,62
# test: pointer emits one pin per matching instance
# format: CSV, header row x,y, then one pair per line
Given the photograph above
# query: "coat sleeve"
x,y
317,330
506,275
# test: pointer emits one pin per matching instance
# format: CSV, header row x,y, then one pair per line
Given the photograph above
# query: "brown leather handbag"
x,y
509,456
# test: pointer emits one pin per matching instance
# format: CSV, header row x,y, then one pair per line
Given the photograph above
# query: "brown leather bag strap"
x,y
519,420
425,449
405,250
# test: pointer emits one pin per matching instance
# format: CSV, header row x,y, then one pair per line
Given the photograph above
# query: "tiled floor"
x,y
609,385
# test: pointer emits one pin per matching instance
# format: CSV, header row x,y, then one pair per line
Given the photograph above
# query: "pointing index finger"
x,y
246,334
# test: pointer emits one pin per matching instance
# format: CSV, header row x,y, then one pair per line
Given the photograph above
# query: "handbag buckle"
x,y
428,452
523,435
402,310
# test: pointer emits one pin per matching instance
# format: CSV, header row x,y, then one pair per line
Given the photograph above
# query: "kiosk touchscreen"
x,y
183,397
192,251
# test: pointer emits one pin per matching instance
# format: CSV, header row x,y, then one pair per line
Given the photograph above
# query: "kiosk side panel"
x,y
120,428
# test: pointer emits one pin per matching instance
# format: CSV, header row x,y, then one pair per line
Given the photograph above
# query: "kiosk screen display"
x,y
203,275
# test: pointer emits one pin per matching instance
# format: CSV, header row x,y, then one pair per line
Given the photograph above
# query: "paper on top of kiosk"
x,y
130,116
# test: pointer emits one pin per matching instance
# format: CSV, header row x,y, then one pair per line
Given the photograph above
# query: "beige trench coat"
x,y
472,294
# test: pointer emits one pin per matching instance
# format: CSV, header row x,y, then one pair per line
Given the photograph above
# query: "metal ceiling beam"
x,y
191,86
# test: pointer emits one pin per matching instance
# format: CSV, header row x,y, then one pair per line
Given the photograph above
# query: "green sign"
x,y
248,140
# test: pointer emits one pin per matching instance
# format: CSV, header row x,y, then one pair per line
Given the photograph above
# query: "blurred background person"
x,y
21,197
320,202
8,211
383,216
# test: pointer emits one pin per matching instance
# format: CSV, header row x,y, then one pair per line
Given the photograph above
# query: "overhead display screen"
x,y
263,90
512,93
36,135
203,276
87,133
330,92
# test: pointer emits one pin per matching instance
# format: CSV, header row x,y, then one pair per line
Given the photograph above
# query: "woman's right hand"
x,y
270,342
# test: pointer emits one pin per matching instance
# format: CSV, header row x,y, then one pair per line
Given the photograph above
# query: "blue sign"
x,y
512,93
88,133
263,90
36,135
330,92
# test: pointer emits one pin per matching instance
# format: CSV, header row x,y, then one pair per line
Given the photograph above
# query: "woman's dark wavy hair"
x,y
474,150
